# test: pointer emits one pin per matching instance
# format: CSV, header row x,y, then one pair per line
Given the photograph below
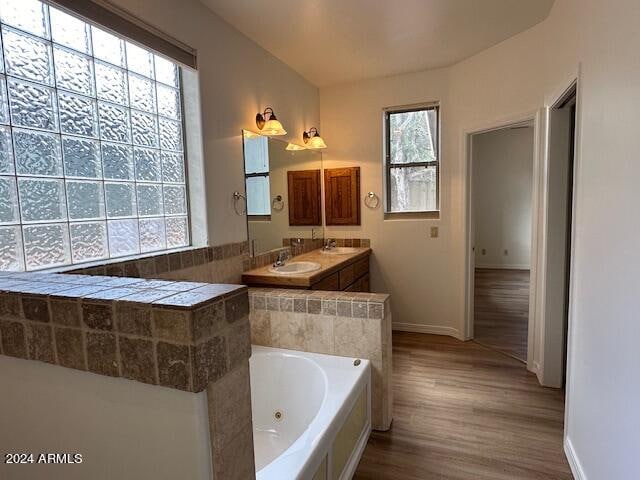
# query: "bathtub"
x,y
311,414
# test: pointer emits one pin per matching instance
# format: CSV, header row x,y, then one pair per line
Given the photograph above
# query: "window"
x,y
412,159
256,169
91,149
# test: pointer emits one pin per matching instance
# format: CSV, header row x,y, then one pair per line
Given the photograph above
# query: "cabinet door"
x,y
342,196
304,197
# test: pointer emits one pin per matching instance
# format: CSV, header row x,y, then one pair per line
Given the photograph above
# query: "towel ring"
x,y
237,196
277,203
371,200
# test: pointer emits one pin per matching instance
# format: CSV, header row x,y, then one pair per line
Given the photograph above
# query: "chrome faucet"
x,y
329,244
282,258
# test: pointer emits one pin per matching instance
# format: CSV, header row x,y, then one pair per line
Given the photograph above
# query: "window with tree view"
x,y
91,148
412,159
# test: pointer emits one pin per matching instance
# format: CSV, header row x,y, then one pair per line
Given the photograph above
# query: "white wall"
x,y
123,429
426,276
237,80
502,180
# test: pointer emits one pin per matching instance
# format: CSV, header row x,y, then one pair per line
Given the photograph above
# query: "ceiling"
x,y
337,41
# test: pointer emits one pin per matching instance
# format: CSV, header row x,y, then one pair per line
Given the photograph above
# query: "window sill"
x,y
430,215
259,218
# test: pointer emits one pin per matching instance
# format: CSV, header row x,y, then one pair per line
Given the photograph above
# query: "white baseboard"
x,y
574,462
432,329
501,266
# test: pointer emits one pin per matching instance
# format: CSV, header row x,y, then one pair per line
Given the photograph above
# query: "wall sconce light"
x,y
292,147
313,140
269,124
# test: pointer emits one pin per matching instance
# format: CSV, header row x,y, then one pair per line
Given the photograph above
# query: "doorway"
x,y
502,184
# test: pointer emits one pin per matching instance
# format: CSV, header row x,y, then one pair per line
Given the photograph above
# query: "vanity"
x,y
343,269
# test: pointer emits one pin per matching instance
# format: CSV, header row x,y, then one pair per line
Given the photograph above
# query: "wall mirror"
x,y
283,190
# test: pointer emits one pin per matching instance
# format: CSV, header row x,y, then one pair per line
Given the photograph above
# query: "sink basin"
x,y
292,268
340,251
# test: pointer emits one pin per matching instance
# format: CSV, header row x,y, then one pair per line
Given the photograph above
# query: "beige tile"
x,y
229,404
357,337
319,334
260,327
287,330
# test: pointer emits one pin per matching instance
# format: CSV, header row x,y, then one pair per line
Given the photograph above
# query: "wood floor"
x,y
463,411
502,310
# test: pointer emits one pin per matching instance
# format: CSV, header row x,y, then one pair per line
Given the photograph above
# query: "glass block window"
x,y
91,149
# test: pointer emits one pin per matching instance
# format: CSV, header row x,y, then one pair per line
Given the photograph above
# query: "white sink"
x,y
340,251
292,268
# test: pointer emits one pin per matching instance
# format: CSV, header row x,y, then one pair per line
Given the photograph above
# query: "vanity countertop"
x,y
328,264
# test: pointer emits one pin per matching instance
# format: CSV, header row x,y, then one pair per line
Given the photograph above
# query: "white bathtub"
x,y
300,403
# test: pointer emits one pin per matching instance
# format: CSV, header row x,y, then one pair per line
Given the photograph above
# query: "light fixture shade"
x,y
292,147
273,127
316,142
313,140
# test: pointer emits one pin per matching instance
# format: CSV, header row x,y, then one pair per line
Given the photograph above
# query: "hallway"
x,y
463,411
501,308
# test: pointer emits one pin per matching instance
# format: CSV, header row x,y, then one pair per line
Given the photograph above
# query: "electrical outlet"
x,y
484,251
434,232
506,252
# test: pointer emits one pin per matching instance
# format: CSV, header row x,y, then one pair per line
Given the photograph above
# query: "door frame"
x,y
536,118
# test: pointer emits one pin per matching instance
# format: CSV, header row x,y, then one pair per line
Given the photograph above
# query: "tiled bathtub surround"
x,y
176,334
221,264
335,323
183,335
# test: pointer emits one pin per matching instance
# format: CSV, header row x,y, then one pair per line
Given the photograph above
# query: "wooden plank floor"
x,y
502,310
463,411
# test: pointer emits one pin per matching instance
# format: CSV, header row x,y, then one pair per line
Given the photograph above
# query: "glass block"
x,y
142,93
166,71
114,123
33,105
168,101
74,71
170,135
144,129
139,60
149,200
70,31
9,200
147,162
172,167
123,237
88,241
107,47
27,57
111,83
81,157
6,151
413,189
46,245
11,258
177,232
152,234
41,199
4,101
121,199
27,15
175,202
37,153
85,200
78,115
117,161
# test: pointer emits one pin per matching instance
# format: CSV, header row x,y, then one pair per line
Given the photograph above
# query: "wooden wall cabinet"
x,y
342,196
304,197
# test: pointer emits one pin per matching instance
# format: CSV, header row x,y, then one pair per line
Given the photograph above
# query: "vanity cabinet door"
x,y
342,196
304,197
